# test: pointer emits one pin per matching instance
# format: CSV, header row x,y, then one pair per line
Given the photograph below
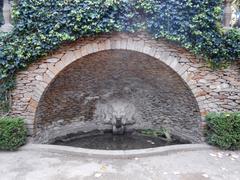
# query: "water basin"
x,y
108,141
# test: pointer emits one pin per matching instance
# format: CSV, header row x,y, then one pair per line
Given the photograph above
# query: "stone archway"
x,y
76,100
208,88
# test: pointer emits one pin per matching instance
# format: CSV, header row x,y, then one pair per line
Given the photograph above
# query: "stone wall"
x,y
185,77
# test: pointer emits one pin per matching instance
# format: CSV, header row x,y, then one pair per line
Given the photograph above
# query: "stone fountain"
x,y
116,92
118,113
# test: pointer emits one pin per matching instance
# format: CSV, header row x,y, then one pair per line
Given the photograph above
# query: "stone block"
x,y
107,44
53,69
52,60
123,44
140,46
130,44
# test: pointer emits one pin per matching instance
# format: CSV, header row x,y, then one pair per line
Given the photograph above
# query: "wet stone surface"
x,y
108,141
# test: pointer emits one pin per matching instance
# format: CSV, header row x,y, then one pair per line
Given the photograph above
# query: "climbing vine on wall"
x,y
41,26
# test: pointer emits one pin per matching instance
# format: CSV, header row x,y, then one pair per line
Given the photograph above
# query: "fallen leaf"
x,y
213,155
97,175
205,175
235,156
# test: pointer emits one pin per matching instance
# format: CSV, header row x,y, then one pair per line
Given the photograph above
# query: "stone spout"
x,y
117,113
118,127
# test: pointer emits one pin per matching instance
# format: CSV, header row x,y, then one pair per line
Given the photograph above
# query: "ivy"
x,y
41,26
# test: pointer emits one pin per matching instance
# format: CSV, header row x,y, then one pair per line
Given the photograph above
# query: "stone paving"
x,y
193,165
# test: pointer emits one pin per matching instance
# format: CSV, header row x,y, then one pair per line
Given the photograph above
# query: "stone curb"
x,y
121,154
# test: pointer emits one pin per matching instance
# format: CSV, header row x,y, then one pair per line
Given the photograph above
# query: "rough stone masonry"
x,y
168,87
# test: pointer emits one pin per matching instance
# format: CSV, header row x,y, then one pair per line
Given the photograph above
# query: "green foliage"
x,y
2,35
41,26
157,133
236,3
223,130
12,133
5,87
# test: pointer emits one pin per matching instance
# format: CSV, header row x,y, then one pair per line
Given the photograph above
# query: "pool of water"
x,y
108,141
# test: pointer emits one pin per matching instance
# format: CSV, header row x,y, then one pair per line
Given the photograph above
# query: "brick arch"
x,y
170,59
71,100
48,68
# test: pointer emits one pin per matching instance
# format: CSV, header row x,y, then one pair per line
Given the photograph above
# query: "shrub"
x,y
12,133
162,132
223,130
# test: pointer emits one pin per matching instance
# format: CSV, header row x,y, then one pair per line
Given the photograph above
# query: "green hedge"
x,y
223,130
13,133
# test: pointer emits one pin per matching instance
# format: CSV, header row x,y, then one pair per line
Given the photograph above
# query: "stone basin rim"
x,y
122,154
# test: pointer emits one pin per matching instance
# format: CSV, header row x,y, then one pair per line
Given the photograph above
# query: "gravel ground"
x,y
193,165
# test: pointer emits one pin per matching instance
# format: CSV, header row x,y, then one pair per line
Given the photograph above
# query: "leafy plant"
x,y
12,133
236,3
41,26
223,130
4,94
157,133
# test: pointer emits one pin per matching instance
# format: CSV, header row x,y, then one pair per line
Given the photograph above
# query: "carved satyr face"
x,y
117,110
122,111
